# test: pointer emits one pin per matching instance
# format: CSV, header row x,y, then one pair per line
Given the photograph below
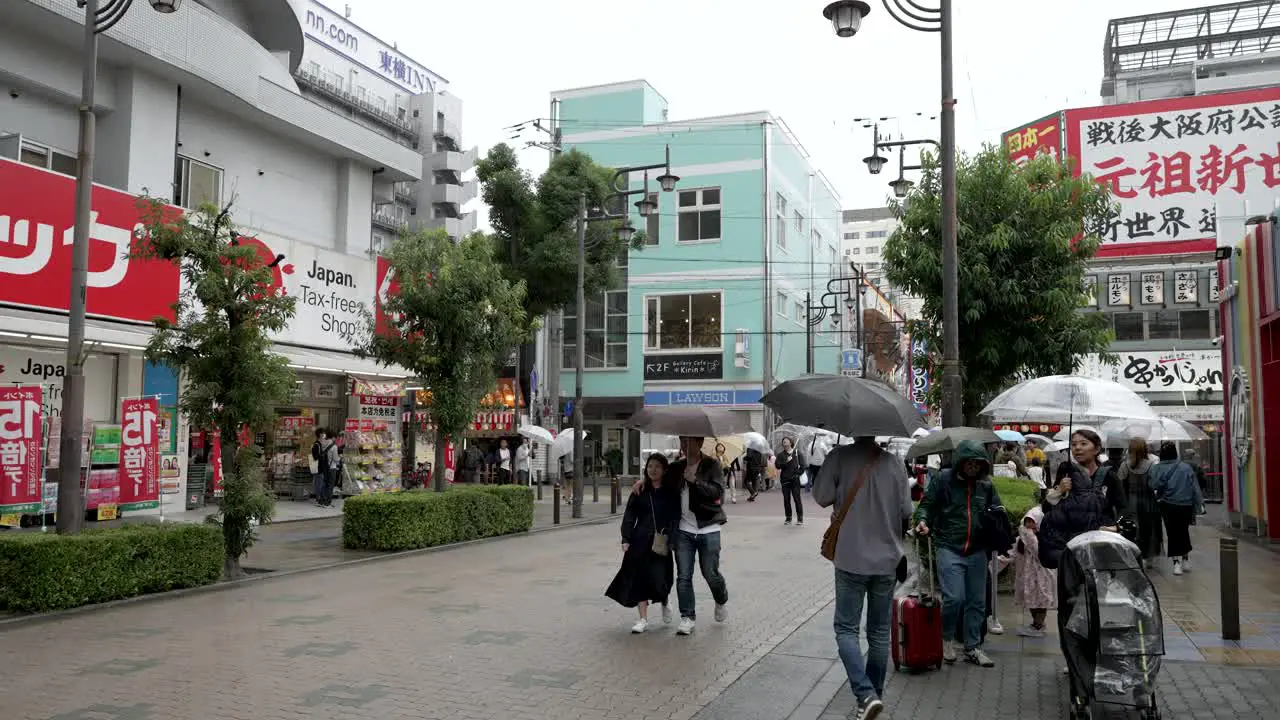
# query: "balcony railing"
x,y
446,130
337,93
388,221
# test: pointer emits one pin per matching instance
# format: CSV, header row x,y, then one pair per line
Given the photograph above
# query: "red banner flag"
x,y
139,454
20,438
215,462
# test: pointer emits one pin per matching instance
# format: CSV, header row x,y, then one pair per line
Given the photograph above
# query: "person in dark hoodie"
x,y
951,512
701,485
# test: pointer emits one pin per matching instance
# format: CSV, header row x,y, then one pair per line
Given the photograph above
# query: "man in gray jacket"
x,y
868,552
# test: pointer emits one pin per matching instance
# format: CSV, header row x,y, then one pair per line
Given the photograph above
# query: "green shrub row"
x,y
40,572
424,518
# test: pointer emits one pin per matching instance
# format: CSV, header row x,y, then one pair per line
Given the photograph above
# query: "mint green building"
x,y
713,312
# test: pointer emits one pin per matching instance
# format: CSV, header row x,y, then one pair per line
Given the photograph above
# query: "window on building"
x,y
46,157
683,322
334,79
699,215
780,220
799,219
873,234
1195,324
313,67
853,251
605,332
852,235
1128,326
799,312
1163,325
780,304
873,250
195,184
653,222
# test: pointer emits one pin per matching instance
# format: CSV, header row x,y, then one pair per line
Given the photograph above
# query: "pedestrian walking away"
x,y
649,525
1134,474
701,491
1178,492
870,489
790,470
952,513
755,465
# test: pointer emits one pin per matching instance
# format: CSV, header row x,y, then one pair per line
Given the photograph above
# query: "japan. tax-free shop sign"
x,y
1179,167
37,221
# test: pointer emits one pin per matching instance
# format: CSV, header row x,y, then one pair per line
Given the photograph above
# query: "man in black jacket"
x,y
701,486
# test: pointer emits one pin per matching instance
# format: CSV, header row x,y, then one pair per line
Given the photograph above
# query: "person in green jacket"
x,y
951,513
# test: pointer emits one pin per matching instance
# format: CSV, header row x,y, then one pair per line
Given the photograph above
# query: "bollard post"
x,y
1229,577
595,489
555,504
538,479
613,495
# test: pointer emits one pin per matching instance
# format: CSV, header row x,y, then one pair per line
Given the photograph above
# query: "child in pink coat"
x,y
1035,588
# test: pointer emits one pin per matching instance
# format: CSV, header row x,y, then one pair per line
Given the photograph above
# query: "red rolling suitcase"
x,y
917,627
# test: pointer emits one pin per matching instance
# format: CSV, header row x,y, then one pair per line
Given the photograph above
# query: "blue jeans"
x,y
322,484
964,595
866,680
707,548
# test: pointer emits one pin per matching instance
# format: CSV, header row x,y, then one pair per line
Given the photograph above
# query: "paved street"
x,y
515,628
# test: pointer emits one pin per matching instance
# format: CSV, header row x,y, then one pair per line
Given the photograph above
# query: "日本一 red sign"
x,y
1177,167
139,454
37,220
21,470
1042,137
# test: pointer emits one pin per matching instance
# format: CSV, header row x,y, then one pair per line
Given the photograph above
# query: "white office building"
x,y
863,235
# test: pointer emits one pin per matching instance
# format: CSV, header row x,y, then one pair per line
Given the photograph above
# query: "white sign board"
x,y
1160,371
47,367
337,33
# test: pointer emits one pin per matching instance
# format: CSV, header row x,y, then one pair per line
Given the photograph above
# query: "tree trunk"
x,y
232,532
438,481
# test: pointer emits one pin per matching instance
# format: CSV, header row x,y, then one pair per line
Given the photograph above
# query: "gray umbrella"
x,y
947,439
845,405
691,421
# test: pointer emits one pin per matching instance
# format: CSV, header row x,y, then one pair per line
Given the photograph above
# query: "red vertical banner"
x,y
215,461
21,471
139,454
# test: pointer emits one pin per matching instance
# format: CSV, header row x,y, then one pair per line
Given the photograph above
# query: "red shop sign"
x,y
139,454
37,219
20,437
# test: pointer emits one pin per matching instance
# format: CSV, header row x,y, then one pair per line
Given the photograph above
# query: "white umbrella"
x,y
1040,440
1162,430
562,446
1064,435
758,442
537,433
1068,398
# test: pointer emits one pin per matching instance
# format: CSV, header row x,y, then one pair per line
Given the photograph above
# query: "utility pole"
x,y
952,389
555,318
581,347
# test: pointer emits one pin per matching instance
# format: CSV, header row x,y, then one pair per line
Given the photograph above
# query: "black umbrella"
x,y
947,439
845,405
689,421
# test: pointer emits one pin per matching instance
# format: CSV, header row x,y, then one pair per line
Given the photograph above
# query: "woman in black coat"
x,y
647,576
789,471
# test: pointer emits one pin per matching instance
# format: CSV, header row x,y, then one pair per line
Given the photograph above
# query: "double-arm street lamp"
x,y
849,287
98,18
846,17
621,191
876,162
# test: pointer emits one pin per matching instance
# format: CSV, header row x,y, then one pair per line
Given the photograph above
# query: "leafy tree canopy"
x,y
220,345
1022,269
533,226
453,317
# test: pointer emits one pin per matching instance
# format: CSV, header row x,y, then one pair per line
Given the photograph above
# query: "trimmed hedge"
x,y
41,572
424,518
1019,495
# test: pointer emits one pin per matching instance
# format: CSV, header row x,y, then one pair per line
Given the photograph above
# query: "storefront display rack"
x,y
371,459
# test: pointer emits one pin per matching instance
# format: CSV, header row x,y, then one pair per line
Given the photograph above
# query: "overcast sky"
x,y
717,57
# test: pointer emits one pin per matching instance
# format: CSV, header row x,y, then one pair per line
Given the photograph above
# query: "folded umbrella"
x,y
844,405
686,421
947,439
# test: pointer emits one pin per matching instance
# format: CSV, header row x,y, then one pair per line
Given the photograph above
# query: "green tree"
x,y
1022,267
220,345
534,230
450,321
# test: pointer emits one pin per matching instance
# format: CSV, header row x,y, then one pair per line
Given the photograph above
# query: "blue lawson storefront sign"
x,y
703,397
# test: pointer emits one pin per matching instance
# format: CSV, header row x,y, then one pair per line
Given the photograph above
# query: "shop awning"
x,y
324,361
44,327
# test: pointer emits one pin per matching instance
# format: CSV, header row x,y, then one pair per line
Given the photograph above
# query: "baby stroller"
x,y
1112,630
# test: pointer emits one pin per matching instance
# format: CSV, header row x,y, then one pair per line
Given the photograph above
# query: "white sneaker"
x,y
1177,567
685,627
1030,631
722,613
949,652
666,614
1186,564
640,626
994,627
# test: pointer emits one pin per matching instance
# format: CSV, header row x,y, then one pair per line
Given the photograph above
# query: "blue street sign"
x,y
851,359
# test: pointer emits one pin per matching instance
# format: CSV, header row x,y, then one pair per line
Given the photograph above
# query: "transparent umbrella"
x,y
1163,430
1069,399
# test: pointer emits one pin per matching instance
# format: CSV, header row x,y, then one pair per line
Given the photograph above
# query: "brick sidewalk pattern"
x,y
515,629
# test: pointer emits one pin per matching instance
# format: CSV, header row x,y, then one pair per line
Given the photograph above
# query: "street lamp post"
x,y
667,181
846,17
98,18
848,287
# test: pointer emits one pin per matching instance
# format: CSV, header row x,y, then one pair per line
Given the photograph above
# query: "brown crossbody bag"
x,y
832,535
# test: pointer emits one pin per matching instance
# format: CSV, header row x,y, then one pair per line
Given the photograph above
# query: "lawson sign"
x,y
703,397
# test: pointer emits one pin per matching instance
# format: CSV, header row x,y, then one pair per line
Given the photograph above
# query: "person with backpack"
x,y
324,465
953,511
756,462
1180,498
1134,475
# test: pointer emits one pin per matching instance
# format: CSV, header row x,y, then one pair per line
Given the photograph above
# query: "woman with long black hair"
x,y
648,538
